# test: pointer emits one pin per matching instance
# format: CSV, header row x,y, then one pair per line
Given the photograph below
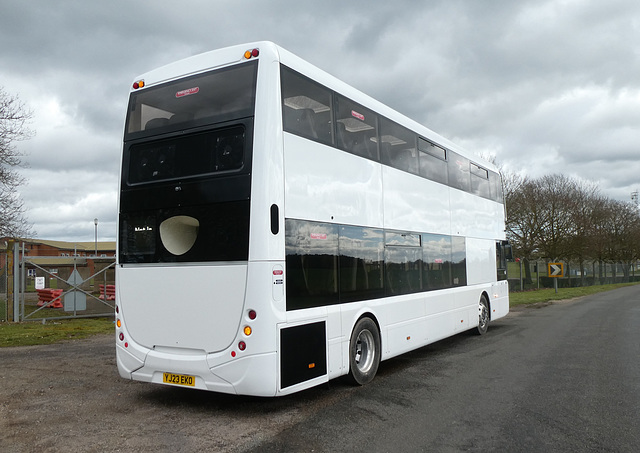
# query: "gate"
x,y
50,288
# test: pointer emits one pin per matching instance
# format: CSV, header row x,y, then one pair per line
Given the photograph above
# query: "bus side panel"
x,y
267,195
481,261
414,203
499,299
328,185
475,216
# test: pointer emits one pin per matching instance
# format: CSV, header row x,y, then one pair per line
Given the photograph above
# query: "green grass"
x,y
31,333
546,295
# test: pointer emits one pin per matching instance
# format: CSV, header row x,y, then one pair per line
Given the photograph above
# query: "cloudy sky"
x,y
545,86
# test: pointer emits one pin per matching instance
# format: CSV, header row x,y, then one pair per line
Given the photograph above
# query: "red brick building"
x,y
55,260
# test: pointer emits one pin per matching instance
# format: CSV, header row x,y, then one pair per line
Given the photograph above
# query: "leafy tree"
x,y
14,122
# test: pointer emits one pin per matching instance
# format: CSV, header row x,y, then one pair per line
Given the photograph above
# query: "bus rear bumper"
x,y
242,376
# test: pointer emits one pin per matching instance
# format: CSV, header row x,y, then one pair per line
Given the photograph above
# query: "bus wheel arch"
x,y
365,350
484,314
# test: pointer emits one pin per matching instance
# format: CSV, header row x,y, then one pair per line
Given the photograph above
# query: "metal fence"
x,y
525,275
43,288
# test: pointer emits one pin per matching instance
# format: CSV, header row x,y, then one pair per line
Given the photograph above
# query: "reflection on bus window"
x,y
459,176
361,261
312,264
480,184
433,162
306,107
187,155
398,146
458,261
207,98
356,129
437,261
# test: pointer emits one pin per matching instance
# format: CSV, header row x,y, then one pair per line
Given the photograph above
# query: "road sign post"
x,y
556,271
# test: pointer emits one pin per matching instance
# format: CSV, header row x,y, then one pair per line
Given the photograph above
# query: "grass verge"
x,y
546,295
32,333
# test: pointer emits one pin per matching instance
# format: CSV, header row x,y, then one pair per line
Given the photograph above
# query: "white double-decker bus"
x,y
279,228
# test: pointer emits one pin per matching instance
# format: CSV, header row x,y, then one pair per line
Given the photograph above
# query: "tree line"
x,y
559,218
14,127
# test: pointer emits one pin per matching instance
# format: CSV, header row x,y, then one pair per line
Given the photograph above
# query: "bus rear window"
x,y
220,150
212,97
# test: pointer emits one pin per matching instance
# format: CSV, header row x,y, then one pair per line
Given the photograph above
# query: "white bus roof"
x,y
235,54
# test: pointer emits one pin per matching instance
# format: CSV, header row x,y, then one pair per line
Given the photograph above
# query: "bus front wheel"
x,y
484,316
364,352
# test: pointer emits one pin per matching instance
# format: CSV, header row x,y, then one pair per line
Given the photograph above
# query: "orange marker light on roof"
x,y
251,53
138,84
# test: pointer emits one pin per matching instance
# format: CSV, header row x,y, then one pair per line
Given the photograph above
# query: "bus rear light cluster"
x,y
251,53
246,331
121,338
119,326
138,84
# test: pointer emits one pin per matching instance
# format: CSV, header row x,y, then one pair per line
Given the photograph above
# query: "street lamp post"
x,y
95,222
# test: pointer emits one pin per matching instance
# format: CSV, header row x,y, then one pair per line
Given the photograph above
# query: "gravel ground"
x,y
69,397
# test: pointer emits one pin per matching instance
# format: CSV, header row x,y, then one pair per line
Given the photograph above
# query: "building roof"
x,y
107,246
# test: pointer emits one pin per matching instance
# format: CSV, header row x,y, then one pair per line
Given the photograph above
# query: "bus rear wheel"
x,y
364,352
484,316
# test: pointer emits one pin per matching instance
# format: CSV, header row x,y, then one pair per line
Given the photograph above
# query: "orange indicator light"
x,y
312,365
118,323
251,53
247,330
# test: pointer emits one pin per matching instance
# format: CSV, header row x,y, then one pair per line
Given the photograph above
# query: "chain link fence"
x,y
524,275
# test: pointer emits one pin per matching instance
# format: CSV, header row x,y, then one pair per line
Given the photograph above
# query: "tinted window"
x,y
311,264
437,261
398,146
403,263
459,172
433,164
356,128
306,107
184,156
220,233
208,98
458,261
328,263
501,260
496,187
480,181
361,263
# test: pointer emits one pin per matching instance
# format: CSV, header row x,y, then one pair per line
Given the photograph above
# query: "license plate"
x,y
179,379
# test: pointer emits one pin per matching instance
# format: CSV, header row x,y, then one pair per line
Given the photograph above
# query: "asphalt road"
x,y
563,377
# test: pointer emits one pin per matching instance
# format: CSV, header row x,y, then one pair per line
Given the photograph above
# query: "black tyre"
x,y
364,352
484,316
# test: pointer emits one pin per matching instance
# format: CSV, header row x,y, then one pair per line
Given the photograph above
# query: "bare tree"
x,y
523,225
14,126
